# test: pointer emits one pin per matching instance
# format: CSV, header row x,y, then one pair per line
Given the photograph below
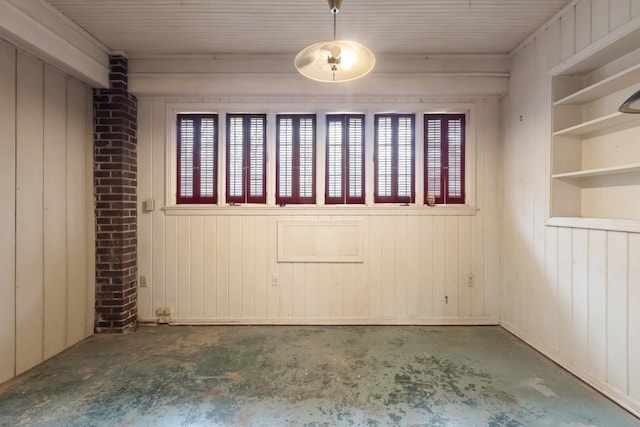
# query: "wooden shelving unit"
x,y
595,150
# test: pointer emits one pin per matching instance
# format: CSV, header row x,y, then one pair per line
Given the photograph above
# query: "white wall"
x,y
220,264
572,293
47,233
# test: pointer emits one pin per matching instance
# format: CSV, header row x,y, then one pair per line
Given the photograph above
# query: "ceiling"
x,y
171,27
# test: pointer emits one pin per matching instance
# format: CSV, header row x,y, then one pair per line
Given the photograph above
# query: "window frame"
x,y
295,197
394,197
444,198
346,175
197,197
245,196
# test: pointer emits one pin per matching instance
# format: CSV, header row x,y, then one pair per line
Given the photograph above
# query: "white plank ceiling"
x,y
169,27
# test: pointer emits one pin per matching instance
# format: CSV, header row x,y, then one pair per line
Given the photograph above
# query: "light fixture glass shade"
x,y
335,61
631,105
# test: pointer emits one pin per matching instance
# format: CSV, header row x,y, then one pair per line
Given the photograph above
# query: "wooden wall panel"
x,y
617,306
78,173
55,211
220,266
634,316
45,152
145,223
7,210
597,269
29,228
585,301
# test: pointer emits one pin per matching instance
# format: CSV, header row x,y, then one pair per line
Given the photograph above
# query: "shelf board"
x,y
592,127
621,80
609,224
614,170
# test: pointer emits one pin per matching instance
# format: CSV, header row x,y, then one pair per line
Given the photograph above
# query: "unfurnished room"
x,y
320,213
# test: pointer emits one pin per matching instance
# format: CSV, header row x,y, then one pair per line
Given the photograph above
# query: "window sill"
x,y
327,210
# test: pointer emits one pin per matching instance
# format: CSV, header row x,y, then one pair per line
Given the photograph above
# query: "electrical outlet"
x,y
470,279
143,281
274,280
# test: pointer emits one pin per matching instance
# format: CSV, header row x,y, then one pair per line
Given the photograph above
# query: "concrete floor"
x,y
313,376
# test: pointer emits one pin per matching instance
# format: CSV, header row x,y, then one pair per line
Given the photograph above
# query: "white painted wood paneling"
x,y
46,258
78,257
221,264
634,316
587,296
7,210
29,227
55,222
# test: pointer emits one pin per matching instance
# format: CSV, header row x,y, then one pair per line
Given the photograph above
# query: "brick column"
x,y
115,179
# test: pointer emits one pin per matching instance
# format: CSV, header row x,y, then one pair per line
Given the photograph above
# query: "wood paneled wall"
x,y
47,253
220,264
574,294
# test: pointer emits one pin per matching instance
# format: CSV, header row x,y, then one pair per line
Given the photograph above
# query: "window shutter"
x,y
208,140
335,181
235,164
356,159
295,169
186,153
394,159
246,158
345,159
306,148
285,159
445,157
197,158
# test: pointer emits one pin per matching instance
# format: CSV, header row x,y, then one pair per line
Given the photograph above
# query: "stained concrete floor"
x,y
312,376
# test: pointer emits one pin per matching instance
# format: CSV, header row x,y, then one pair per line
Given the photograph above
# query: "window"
x,y
197,158
246,159
345,159
295,165
444,157
394,162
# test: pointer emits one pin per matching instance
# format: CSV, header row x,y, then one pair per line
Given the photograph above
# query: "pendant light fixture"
x,y
335,60
631,105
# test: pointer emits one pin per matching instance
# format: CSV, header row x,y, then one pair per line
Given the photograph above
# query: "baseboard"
x,y
330,321
612,393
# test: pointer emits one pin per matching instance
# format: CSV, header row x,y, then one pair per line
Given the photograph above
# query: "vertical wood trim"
x,y
599,19
157,278
29,223
414,259
210,261
565,278
247,240
387,267
145,221
438,264
89,209
425,292
617,316
222,277
452,260
7,211
196,267
183,267
598,304
171,264
55,227
567,36
236,264
374,250
261,282
77,221
580,298
634,316
400,266
551,307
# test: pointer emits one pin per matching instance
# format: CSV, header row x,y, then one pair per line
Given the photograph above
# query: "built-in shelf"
x,y
603,87
593,127
590,135
587,173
